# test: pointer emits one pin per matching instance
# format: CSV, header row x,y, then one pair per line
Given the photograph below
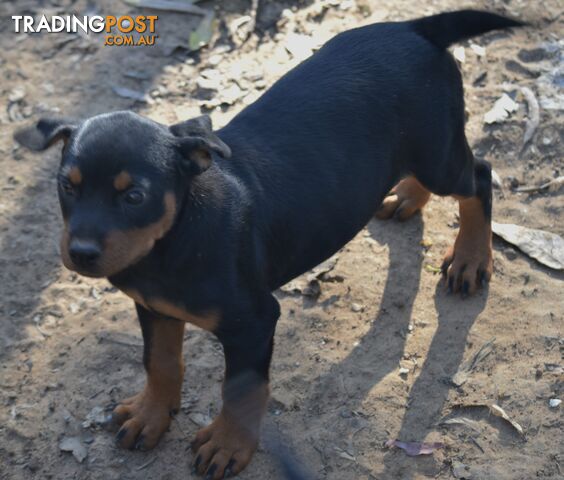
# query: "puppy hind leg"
x,y
468,263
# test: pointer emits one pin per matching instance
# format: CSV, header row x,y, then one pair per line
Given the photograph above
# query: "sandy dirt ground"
x,y
373,356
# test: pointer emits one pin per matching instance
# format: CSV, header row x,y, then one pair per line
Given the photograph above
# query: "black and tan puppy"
x,y
200,226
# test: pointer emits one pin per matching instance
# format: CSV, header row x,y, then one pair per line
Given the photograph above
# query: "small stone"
x,y
554,402
459,470
215,60
16,95
75,446
459,54
355,307
510,254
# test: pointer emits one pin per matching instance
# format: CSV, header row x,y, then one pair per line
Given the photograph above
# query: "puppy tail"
x,y
447,28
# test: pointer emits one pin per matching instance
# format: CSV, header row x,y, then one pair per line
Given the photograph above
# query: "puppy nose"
x,y
84,252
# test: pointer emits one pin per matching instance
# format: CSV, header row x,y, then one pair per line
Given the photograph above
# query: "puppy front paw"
x,y
143,419
223,448
468,265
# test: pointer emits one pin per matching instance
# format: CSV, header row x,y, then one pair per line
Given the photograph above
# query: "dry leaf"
x,y
203,34
545,247
533,114
473,424
200,419
415,448
97,417
432,268
75,446
466,368
501,110
499,412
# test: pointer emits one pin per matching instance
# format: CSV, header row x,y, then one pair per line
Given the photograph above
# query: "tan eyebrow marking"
x,y
75,176
122,181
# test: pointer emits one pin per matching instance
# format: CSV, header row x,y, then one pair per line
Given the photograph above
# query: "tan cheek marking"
x,y
122,181
123,248
75,176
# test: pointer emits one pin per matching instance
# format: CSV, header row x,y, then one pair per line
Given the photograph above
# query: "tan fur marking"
x,y
234,433
208,321
135,296
469,261
404,200
149,411
75,176
122,181
164,307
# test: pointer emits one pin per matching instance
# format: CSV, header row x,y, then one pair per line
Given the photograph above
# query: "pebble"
x,y
355,307
215,60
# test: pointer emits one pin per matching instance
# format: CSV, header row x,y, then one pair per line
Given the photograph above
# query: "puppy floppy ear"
x,y
46,132
196,142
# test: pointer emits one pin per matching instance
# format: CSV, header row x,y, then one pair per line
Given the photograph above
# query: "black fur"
x,y
447,28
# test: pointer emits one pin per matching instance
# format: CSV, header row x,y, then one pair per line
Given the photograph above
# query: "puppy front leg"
x,y
146,416
225,447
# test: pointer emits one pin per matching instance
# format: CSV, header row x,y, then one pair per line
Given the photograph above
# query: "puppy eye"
x,y
67,187
134,197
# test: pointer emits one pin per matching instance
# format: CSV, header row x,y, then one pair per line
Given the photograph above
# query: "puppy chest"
x,y
167,307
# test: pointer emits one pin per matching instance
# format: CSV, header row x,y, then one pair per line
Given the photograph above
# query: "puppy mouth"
x,y
93,271
88,273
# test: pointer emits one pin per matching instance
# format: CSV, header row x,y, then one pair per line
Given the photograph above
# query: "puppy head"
x,y
119,183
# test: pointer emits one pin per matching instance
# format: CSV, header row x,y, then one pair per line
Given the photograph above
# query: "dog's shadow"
x,y
381,349
430,391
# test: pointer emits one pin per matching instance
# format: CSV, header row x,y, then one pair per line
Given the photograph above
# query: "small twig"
x,y
533,115
475,442
146,464
554,183
253,14
96,394
244,27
